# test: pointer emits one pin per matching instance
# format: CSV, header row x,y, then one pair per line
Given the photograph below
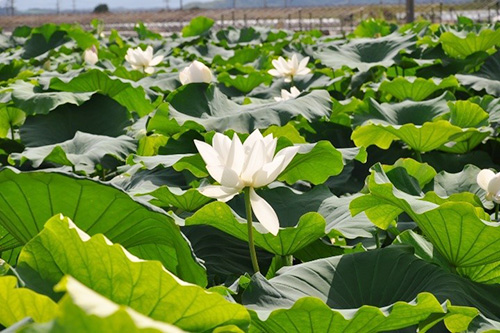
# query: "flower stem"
x,y
251,245
496,211
12,131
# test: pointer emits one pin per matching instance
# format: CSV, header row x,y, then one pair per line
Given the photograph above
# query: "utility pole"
x,y
180,5
167,4
74,6
410,11
57,7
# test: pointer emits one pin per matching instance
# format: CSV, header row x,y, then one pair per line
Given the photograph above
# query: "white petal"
x,y
221,144
303,63
149,70
236,156
229,178
295,62
494,184
220,193
184,76
148,54
483,178
265,213
274,72
268,172
207,152
155,61
256,159
289,153
294,92
252,139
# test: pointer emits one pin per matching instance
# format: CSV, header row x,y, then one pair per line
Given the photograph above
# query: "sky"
x,y
90,4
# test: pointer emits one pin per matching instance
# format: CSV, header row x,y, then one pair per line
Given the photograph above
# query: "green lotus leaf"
x,y
28,200
458,230
84,310
244,83
61,248
100,115
325,295
198,26
293,235
83,152
416,88
128,93
210,108
462,44
34,100
487,77
365,53
19,303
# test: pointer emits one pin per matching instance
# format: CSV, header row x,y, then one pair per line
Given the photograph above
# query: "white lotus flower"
x,y
285,95
196,72
90,55
251,164
490,182
143,60
289,68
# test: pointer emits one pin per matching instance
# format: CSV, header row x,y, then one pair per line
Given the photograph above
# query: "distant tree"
x,y
101,8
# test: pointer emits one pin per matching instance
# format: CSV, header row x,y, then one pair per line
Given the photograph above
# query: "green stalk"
x,y
377,239
251,244
12,131
418,157
287,260
496,212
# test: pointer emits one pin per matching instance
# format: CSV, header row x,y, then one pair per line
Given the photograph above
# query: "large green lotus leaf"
x,y
314,163
224,256
28,200
198,26
61,248
83,152
422,172
469,116
164,82
19,303
84,310
461,44
207,106
339,220
128,93
457,229
162,187
487,78
365,53
208,52
233,37
303,83
244,83
100,115
483,325
34,100
401,290
293,235
405,112
422,138
487,274
416,88
42,40
374,28
10,117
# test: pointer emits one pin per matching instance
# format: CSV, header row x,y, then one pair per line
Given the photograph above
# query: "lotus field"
x,y
250,180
